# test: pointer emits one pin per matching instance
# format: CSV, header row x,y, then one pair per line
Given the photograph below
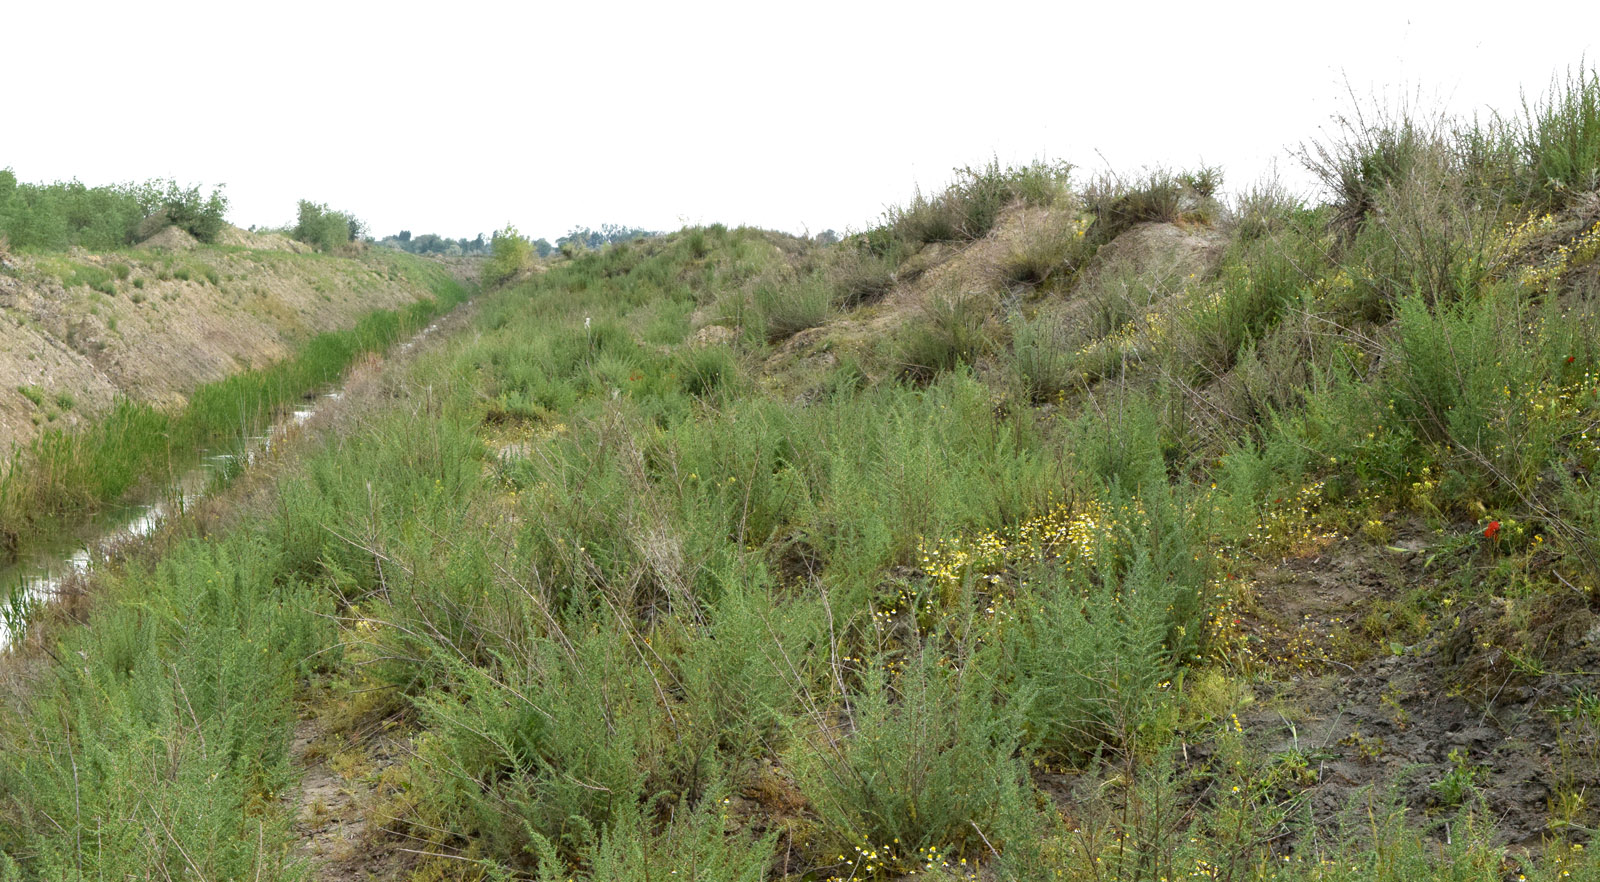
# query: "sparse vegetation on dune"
x,y
1041,532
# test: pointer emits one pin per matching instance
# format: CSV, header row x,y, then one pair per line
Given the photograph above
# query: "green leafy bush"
x,y
323,228
186,209
510,255
54,217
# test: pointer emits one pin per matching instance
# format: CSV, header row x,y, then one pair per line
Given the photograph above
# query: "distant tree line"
x,y
608,234
578,238
57,216
433,243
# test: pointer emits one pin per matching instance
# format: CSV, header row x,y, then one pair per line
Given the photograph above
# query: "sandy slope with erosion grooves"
x,y
67,352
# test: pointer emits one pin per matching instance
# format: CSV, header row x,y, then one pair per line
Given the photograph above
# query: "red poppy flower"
x,y
1571,359
1491,531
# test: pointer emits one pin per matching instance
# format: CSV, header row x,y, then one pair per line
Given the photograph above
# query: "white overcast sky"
x,y
459,118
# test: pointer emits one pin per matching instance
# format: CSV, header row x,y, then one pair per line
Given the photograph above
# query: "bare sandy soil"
x,y
167,317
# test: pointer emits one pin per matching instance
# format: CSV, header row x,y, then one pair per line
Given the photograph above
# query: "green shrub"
x,y
569,744
201,217
63,214
1053,248
323,228
1368,156
60,215
1042,358
1159,197
1204,182
1430,236
1264,210
704,371
860,275
1120,445
970,205
1249,298
948,332
739,689
693,847
1466,379
510,255
925,763
1559,140
696,242
1101,627
788,307
88,275
166,742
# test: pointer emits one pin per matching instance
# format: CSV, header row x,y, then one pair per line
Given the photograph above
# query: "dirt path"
x,y
336,836
329,822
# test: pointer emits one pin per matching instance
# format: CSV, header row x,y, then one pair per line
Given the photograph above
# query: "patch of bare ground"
x,y
1386,681
337,837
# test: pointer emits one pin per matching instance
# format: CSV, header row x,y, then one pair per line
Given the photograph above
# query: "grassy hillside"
x,y
1050,530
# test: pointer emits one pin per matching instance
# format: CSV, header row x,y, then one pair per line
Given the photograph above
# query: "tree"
x,y
323,228
609,234
428,243
186,210
510,255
